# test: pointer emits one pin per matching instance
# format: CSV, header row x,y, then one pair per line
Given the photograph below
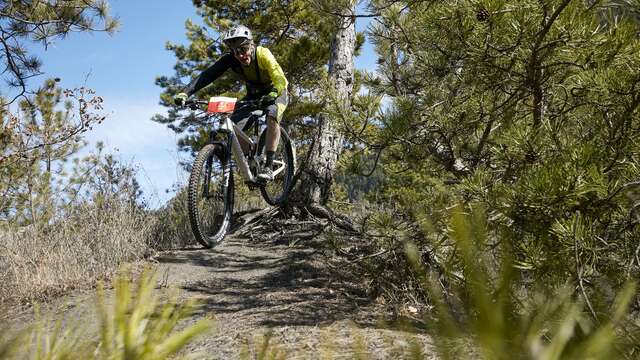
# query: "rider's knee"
x,y
272,121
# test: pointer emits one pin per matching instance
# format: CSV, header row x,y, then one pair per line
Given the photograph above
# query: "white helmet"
x,y
237,36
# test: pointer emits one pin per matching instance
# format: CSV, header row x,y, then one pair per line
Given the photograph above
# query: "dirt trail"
x,y
252,286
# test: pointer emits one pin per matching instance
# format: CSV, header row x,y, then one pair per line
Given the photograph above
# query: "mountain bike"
x,y
211,183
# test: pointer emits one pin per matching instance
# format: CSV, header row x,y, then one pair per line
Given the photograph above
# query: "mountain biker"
x,y
265,83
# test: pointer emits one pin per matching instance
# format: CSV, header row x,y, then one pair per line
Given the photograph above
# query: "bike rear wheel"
x,y
276,191
211,191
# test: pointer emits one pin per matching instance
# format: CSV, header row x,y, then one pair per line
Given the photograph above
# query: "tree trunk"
x,y
316,177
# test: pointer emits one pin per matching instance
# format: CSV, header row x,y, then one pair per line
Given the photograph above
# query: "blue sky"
x,y
122,68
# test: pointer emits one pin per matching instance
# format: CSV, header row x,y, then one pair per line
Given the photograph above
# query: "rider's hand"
x,y
269,99
180,99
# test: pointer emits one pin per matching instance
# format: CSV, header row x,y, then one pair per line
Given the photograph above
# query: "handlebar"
x,y
195,104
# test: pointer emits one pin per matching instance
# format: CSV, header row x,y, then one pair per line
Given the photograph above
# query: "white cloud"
x,y
129,133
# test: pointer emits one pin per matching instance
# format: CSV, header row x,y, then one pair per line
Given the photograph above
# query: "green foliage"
x,y
530,109
40,190
501,320
8,344
24,22
36,143
137,326
50,340
99,178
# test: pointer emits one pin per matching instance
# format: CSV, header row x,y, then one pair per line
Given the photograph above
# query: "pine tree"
x,y
317,177
101,180
27,182
530,110
37,131
44,134
23,22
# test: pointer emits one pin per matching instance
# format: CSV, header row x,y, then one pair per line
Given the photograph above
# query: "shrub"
x,y
497,318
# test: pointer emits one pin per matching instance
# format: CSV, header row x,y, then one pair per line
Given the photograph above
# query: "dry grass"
x,y
38,262
172,229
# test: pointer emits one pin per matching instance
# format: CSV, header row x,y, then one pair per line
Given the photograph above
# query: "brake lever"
x,y
254,103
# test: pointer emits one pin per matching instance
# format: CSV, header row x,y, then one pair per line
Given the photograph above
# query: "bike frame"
x,y
233,131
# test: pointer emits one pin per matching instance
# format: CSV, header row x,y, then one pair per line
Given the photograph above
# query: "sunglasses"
x,y
241,49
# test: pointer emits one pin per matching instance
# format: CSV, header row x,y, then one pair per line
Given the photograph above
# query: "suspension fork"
x,y
226,164
208,165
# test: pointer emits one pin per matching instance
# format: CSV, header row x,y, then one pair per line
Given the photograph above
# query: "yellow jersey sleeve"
x,y
269,63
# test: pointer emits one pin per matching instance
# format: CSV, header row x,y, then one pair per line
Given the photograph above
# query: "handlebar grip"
x,y
194,103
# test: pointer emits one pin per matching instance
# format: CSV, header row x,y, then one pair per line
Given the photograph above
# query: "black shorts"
x,y
243,113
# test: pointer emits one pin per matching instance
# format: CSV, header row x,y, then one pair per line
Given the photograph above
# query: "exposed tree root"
x,y
289,223
339,220
273,224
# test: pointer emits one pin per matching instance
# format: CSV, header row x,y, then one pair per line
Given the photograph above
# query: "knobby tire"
x,y
211,158
285,153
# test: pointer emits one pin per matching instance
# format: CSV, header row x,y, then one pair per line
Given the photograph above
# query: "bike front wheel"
x,y
210,200
276,191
